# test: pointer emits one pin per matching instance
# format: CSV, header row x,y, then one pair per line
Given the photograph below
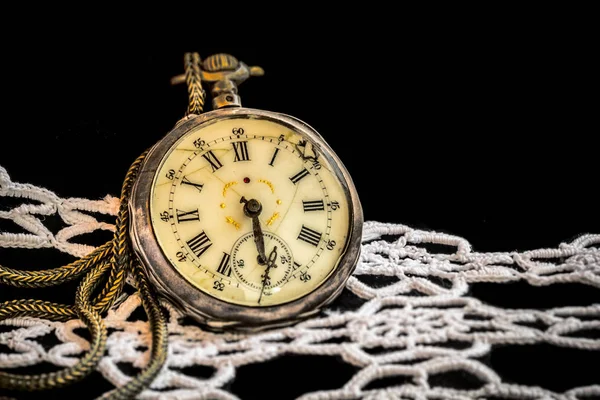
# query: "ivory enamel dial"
x,y
248,217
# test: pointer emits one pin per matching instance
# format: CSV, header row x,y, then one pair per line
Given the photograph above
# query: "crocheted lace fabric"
x,y
405,327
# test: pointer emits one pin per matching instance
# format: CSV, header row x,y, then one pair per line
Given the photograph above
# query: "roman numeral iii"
x,y
241,151
199,244
313,205
212,160
310,236
224,267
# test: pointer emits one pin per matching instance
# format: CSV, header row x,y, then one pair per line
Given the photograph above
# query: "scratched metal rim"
x,y
202,306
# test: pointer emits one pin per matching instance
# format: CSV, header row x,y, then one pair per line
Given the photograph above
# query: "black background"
x,y
485,132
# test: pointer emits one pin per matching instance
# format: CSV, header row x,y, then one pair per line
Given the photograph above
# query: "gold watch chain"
x,y
115,257
193,80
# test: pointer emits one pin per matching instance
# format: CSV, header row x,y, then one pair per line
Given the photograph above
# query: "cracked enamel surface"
x,y
201,227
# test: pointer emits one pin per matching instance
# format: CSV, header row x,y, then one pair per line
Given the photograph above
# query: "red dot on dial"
x,y
246,180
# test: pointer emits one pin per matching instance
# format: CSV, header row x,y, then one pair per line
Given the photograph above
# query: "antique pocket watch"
x,y
243,218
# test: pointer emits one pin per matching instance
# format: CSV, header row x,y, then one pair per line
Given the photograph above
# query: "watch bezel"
x,y
203,306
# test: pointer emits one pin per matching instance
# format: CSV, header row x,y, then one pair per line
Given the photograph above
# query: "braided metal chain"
x,y
114,258
56,276
193,79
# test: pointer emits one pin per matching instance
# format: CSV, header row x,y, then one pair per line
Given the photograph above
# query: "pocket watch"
x,y
243,218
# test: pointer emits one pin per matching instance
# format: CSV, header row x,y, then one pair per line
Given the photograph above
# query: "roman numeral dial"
x,y
313,205
272,163
199,244
186,181
272,251
212,160
186,216
299,176
310,236
241,151
224,267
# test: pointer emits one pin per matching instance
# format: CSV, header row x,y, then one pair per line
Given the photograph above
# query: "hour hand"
x,y
252,209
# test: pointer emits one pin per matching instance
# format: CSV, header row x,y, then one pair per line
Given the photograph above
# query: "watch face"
x,y
250,211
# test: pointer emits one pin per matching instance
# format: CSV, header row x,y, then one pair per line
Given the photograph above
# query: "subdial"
x,y
253,272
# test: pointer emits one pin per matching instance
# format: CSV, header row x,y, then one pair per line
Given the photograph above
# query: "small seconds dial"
x,y
249,212
251,271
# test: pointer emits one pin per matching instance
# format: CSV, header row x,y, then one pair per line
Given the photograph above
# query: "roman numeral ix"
x,y
199,244
241,151
310,236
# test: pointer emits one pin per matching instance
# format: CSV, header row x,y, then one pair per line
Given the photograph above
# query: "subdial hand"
x,y
270,264
252,209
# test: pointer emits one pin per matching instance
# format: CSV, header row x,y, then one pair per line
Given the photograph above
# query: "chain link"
x,y
114,258
193,79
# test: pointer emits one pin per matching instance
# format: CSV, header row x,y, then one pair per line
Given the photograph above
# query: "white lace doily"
x,y
415,318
